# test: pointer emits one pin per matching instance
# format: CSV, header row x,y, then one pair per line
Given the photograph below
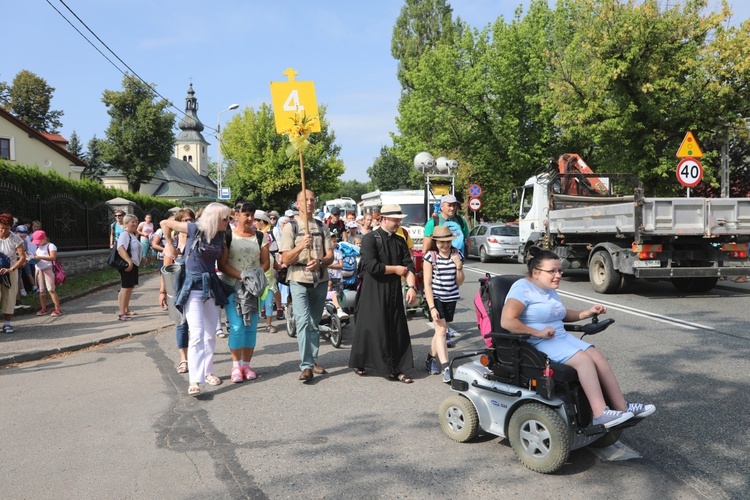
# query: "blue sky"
x,y
230,50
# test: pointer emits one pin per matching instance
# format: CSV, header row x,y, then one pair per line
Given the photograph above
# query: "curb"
x,y
25,310
41,354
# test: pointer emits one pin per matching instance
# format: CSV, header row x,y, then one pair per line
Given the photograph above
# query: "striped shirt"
x,y
444,285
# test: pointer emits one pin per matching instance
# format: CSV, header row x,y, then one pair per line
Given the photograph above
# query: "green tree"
x,y
421,24
211,170
631,78
391,172
29,98
95,166
353,189
259,169
74,145
140,136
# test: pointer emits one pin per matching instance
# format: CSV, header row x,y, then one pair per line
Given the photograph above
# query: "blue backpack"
x,y
5,264
350,260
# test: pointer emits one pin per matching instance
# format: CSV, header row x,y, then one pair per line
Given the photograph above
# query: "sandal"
x,y
236,375
41,312
400,377
194,390
360,371
123,317
131,313
213,380
182,367
740,279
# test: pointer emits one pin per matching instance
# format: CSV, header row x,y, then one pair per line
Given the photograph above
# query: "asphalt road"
x,y
116,422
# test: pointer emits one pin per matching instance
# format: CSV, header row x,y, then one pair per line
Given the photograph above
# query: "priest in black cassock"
x,y
381,335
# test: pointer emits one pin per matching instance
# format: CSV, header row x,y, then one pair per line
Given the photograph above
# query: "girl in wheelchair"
x,y
533,307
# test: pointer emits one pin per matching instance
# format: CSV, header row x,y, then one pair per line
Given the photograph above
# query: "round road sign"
x,y
689,172
475,204
475,191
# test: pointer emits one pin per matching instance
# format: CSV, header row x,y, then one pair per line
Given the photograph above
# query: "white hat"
x,y
392,211
262,215
289,213
352,224
448,198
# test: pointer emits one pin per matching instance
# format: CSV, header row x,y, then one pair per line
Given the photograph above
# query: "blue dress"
x,y
544,308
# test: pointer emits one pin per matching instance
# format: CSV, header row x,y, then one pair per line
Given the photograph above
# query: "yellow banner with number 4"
x,y
293,99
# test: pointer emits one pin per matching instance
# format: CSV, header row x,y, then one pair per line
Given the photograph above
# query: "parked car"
x,y
494,240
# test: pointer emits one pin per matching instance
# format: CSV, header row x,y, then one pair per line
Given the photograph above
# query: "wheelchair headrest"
x,y
499,286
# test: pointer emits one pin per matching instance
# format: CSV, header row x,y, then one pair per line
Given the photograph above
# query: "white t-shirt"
x,y
44,251
132,246
9,247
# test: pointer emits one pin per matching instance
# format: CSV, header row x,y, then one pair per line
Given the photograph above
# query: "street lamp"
x,y
219,167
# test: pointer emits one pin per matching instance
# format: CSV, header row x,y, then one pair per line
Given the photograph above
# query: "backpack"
x,y
59,273
349,262
259,235
456,227
482,307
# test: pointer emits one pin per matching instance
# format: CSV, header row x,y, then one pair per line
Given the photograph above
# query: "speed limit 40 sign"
x,y
689,172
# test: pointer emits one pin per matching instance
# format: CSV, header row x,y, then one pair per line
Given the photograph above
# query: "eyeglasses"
x,y
118,215
272,217
551,271
188,220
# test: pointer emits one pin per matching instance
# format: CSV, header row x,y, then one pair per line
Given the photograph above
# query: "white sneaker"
x,y
326,314
23,292
341,314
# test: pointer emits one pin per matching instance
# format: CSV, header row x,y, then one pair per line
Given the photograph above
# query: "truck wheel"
x,y
603,276
693,285
458,418
608,439
539,438
483,255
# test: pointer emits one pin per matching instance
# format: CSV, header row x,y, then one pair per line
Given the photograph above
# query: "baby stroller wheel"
x,y
539,437
459,418
291,328
335,334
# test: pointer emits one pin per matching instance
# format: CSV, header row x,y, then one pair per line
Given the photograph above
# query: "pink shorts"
x,y
45,279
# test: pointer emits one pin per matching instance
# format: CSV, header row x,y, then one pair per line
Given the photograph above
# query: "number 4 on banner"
x,y
292,97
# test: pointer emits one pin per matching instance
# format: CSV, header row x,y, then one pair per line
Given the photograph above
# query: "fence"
x,y
69,225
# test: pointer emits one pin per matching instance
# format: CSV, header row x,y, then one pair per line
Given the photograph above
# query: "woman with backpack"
x,y
443,274
45,255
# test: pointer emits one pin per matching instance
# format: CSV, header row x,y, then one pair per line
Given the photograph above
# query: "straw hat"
x,y
392,211
442,233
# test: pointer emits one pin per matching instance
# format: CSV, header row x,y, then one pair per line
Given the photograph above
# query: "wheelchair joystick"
x,y
595,319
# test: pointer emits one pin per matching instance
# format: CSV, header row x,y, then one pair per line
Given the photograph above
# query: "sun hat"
x,y
448,198
392,210
273,213
260,214
442,233
38,237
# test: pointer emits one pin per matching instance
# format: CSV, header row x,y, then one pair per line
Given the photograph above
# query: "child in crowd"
x,y
45,254
335,287
443,274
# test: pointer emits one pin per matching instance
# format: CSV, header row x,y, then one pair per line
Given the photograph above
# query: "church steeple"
x,y
190,145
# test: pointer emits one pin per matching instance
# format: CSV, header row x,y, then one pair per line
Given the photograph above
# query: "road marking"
x,y
687,325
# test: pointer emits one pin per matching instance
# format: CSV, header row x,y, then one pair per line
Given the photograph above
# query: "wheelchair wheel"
x,y
336,333
291,328
608,439
458,418
539,438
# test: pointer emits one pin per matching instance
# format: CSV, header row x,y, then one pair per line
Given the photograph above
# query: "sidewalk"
x,y
86,321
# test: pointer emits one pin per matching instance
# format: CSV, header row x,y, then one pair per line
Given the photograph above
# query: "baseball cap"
x,y
352,224
289,213
22,229
336,211
448,198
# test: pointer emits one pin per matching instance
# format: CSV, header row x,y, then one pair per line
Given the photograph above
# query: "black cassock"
x,y
381,333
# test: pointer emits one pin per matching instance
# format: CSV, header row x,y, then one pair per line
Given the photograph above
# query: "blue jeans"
x,y
308,305
182,335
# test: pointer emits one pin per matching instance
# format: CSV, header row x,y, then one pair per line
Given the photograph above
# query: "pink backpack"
x,y
482,307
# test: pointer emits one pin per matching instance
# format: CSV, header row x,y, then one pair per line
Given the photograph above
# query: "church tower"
x,y
190,145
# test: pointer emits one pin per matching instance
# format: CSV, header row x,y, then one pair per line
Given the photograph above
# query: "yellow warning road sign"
x,y
689,147
291,97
